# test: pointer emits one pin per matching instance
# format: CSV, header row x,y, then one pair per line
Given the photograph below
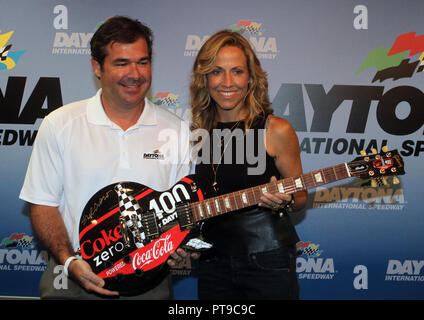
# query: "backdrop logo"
x,y
72,43
247,26
172,103
311,265
308,249
292,99
16,254
382,199
264,47
17,240
45,97
391,62
166,99
8,59
406,270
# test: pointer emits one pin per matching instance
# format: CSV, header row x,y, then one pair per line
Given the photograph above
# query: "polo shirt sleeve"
x,y
43,183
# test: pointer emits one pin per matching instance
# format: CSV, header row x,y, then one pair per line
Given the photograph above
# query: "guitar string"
x,y
329,175
339,170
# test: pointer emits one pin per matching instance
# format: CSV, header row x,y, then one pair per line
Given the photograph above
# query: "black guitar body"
x,y
134,261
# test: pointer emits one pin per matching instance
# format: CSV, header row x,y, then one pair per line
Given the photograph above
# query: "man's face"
x,y
125,75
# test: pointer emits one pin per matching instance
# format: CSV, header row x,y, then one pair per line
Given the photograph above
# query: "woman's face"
x,y
229,81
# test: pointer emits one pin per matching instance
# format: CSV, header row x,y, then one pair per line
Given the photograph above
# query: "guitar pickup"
x,y
184,215
150,224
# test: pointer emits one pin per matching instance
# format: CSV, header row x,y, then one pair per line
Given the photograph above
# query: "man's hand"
x,y
179,255
49,227
81,272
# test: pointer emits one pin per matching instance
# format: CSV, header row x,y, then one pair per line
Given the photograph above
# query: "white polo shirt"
x,y
79,150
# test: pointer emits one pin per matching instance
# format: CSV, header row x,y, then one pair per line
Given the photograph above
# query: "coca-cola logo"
x,y
159,251
146,258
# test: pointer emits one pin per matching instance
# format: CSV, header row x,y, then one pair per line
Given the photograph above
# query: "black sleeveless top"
x,y
253,229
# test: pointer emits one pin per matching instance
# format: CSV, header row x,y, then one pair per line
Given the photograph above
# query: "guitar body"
x,y
128,230
126,265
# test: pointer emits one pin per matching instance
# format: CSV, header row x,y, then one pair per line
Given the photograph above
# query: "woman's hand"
x,y
275,201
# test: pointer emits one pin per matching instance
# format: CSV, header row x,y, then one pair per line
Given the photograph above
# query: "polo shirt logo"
x,y
155,155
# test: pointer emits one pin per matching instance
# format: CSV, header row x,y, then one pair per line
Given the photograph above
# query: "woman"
x,y
254,254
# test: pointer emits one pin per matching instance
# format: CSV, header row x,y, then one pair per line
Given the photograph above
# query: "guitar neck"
x,y
218,205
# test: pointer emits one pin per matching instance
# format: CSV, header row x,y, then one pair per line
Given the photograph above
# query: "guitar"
x,y
128,230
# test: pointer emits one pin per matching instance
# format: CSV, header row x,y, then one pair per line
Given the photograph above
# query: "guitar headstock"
x,y
378,166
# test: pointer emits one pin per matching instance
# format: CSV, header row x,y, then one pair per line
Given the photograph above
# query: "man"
x,y
87,145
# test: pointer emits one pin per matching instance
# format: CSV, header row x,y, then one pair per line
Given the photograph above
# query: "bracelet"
x,y
67,263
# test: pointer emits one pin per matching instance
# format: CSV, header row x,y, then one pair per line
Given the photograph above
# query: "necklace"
x,y
220,142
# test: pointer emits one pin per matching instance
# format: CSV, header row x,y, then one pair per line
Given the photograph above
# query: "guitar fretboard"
x,y
218,205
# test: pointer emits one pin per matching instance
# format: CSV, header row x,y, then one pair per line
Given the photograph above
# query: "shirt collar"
x,y
96,114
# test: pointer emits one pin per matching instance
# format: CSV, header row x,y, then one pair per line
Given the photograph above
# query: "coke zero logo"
x,y
89,248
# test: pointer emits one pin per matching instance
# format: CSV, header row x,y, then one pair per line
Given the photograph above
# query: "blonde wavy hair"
x,y
203,108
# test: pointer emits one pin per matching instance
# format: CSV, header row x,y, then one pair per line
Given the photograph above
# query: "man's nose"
x,y
134,71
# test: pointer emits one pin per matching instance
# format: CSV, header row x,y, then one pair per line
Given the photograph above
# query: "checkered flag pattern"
x,y
312,251
24,243
131,213
168,102
251,29
126,202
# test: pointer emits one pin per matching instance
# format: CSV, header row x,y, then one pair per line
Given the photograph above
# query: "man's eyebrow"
x,y
120,60
125,60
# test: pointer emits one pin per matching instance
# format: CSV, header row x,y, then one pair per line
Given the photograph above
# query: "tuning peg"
x,y
385,148
374,150
363,153
396,180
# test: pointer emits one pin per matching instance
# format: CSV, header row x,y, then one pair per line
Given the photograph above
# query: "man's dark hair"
x,y
119,29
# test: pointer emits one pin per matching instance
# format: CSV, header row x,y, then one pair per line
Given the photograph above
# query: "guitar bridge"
x,y
185,216
151,228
